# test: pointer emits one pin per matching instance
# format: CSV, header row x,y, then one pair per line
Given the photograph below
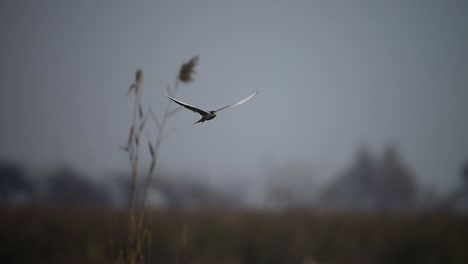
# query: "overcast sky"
x,y
332,75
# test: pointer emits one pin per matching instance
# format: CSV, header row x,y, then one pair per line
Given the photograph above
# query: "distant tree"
x,y
457,200
177,191
290,184
13,183
372,185
464,175
396,188
191,193
67,187
354,188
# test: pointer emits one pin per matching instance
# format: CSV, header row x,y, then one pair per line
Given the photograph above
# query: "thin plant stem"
x,y
133,152
159,139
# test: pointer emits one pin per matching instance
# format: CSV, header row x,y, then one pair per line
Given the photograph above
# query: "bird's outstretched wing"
x,y
190,107
240,102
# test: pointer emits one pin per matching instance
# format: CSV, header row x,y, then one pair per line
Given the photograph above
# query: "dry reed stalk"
x,y
132,147
140,233
186,72
182,254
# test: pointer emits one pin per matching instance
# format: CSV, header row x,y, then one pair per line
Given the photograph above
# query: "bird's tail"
x,y
199,121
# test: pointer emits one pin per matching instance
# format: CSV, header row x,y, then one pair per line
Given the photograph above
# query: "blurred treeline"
x,y
374,211
371,182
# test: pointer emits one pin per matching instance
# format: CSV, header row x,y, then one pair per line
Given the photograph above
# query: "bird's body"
x,y
209,115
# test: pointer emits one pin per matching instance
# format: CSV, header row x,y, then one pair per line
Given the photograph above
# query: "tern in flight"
x,y
210,114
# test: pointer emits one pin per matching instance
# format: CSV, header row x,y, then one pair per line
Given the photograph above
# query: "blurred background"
x,y
362,108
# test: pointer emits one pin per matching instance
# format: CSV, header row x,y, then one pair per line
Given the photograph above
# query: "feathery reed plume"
x,y
139,76
188,70
136,86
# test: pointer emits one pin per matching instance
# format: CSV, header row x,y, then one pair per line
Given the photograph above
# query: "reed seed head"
x,y
188,70
139,76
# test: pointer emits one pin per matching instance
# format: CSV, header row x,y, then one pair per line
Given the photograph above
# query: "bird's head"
x,y
213,113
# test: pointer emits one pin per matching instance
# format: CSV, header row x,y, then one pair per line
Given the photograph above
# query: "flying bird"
x,y
208,115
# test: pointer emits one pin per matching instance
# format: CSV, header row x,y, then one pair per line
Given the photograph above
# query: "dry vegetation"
x,y
58,235
139,231
234,236
47,234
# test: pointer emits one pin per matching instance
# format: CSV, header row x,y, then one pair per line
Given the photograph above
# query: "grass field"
x,y
39,234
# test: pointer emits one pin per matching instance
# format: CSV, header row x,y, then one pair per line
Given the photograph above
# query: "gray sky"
x,y
332,75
